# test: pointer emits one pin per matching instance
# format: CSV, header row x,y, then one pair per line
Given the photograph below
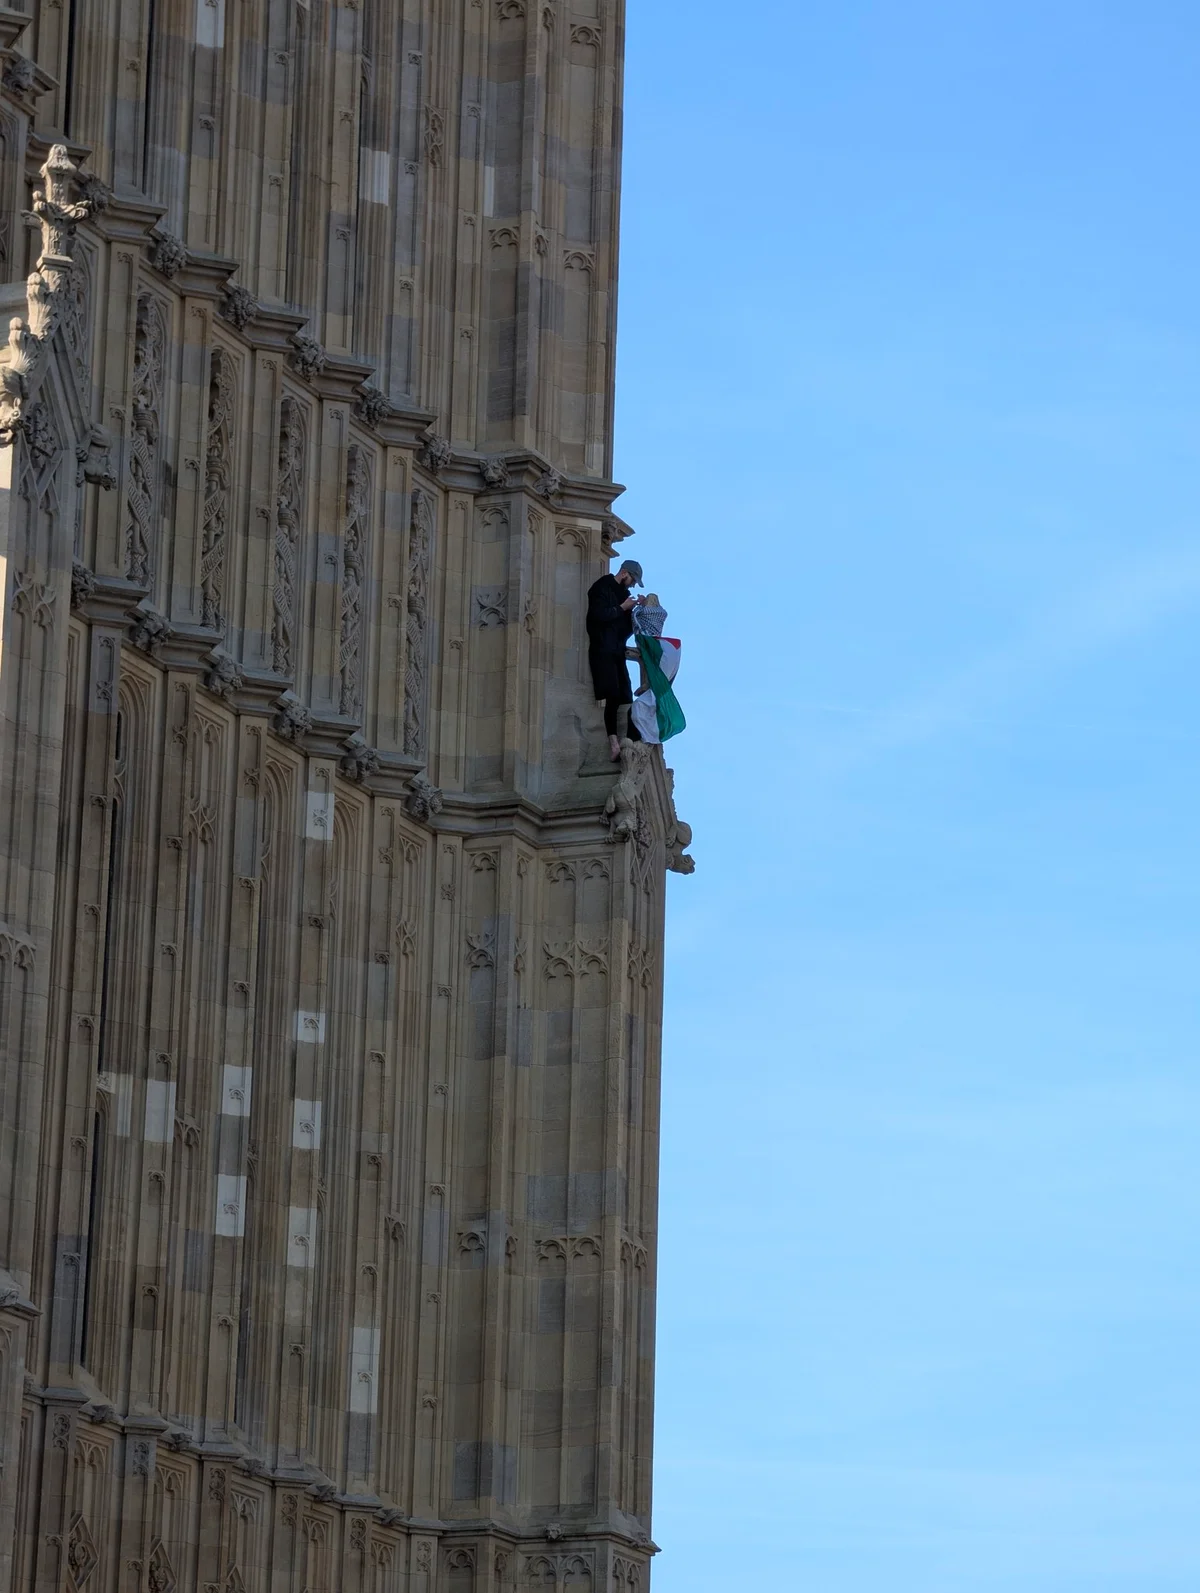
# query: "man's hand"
x,y
630,602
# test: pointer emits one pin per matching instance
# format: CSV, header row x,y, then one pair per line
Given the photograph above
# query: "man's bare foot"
x,y
614,749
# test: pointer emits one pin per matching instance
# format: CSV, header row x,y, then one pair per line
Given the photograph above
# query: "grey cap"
x,y
634,569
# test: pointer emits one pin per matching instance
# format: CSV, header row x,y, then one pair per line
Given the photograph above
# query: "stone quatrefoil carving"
x,y
569,1247
575,959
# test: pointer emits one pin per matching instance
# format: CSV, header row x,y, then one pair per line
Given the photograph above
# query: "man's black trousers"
x,y
610,680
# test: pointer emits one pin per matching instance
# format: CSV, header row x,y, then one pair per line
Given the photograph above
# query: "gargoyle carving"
x,y
423,800
372,406
358,759
679,838
291,719
149,630
307,357
222,676
620,811
436,453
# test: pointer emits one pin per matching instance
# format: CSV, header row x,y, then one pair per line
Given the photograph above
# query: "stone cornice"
x,y
12,25
193,650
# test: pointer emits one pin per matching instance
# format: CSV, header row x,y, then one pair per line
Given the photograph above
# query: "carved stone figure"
x,y
372,406
239,305
149,346
59,205
18,74
354,557
291,719
289,520
436,453
217,471
420,545
679,838
423,800
149,629
83,584
358,760
307,358
621,807
222,676
168,254
94,459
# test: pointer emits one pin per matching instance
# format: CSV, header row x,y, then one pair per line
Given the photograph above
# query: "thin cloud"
x,y
1127,604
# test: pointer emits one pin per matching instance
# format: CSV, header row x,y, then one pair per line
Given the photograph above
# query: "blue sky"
x,y
909,413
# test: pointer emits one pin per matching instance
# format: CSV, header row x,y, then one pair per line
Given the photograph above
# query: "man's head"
x,y
630,573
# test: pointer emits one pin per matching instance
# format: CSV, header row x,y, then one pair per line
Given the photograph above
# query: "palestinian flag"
x,y
655,711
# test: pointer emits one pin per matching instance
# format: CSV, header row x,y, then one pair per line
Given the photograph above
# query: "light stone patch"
x,y
319,822
160,1111
302,1237
375,176
235,1091
364,1382
306,1125
210,24
120,1087
310,1028
230,1220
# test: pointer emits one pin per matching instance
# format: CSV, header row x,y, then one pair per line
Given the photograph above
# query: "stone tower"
x,y
330,953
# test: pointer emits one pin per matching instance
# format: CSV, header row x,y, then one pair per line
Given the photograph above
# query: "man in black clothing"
x,y
609,627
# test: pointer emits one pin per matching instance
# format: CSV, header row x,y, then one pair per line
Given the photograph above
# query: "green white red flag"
x,y
656,711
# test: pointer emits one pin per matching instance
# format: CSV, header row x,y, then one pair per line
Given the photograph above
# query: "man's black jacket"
x,y
609,626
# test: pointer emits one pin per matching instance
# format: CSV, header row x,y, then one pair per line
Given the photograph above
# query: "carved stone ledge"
x,y
188,647
14,1300
523,469
12,25
613,531
204,275
105,599
21,78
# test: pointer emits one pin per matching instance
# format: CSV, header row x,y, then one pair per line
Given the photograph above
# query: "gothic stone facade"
x,y
330,945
